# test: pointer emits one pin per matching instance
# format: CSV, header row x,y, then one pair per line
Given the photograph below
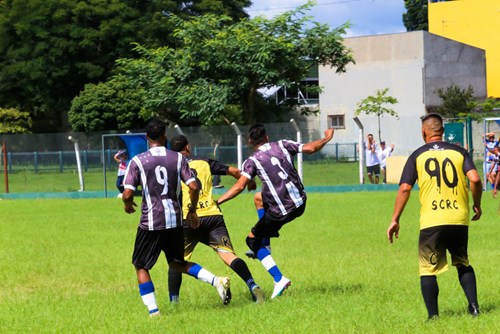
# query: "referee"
x,y
442,170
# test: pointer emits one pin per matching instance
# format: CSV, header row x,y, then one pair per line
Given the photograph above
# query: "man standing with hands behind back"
x,y
442,170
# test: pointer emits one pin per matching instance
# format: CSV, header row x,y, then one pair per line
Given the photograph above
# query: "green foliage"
x,y
14,121
49,49
110,105
457,102
416,16
219,62
374,105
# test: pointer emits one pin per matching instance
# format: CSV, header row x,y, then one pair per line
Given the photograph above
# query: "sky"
x,y
367,17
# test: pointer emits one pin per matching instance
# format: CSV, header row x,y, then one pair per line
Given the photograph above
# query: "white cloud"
x,y
367,17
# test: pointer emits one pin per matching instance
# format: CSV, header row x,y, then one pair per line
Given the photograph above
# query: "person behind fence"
x,y
383,153
372,161
159,171
442,171
122,158
283,194
212,230
489,144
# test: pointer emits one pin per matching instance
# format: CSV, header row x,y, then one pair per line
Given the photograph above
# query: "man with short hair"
x,y
212,230
383,153
442,170
283,194
159,171
372,161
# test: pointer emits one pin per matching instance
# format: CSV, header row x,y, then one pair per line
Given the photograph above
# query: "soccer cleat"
x,y
257,294
250,254
222,285
474,310
154,314
280,286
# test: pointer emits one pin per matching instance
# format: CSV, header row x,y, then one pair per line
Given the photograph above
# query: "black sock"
x,y
430,292
467,279
240,267
174,284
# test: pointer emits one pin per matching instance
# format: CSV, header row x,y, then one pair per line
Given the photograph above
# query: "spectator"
x,y
383,153
122,158
372,161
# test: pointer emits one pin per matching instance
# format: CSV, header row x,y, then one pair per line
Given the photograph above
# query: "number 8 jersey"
x,y
282,189
440,169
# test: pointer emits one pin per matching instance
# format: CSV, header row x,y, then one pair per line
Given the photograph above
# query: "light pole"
x,y
78,162
300,155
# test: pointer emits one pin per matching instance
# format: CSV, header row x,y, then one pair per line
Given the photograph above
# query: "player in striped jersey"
x,y
283,194
159,172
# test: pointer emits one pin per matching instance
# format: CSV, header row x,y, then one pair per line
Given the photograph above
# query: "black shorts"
x,y
269,225
373,170
433,244
211,232
149,244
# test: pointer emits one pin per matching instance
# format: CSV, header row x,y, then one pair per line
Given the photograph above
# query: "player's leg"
x,y
459,257
376,171
174,250
432,261
218,239
191,238
259,207
144,257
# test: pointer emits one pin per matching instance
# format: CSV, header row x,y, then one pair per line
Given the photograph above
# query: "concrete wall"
x,y
411,65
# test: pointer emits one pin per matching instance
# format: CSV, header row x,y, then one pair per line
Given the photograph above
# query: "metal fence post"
x,y
35,161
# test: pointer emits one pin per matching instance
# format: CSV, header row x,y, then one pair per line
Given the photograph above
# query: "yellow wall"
x,y
473,22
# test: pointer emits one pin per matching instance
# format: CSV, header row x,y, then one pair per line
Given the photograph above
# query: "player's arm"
x,y
194,195
476,188
235,190
236,173
128,200
317,145
402,198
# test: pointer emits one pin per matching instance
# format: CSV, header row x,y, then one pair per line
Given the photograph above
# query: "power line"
x,y
316,5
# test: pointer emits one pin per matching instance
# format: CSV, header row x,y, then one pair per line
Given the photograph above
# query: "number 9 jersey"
x,y
440,169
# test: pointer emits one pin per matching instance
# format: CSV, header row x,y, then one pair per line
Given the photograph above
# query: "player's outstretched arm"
x,y
401,200
234,191
317,145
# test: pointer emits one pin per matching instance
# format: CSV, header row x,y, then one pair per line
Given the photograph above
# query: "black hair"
x,y
178,143
155,129
257,134
432,115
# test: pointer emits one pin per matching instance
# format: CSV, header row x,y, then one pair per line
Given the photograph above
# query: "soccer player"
x,y
159,171
283,195
212,230
442,170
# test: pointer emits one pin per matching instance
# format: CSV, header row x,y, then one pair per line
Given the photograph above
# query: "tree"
x,y
457,102
49,49
374,105
217,66
416,16
14,121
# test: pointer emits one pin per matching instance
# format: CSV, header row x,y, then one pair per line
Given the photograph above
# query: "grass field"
x,y
66,268
315,174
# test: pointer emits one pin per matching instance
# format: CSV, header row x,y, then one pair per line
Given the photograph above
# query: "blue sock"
x,y
260,212
147,291
267,261
194,270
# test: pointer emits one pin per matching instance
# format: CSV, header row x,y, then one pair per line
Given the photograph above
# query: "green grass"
x,y
315,174
66,268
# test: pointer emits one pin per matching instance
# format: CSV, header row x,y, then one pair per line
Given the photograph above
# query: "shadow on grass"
x,y
335,288
484,308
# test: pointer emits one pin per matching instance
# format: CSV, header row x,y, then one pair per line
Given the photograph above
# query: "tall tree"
x,y
376,105
416,16
49,49
217,66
